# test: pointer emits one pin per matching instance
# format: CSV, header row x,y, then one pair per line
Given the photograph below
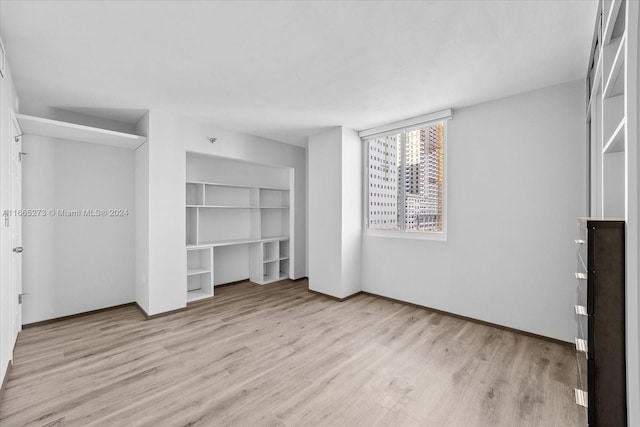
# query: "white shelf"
x,y
596,82
581,345
615,143
274,259
221,184
237,207
614,85
194,271
236,242
231,218
270,279
73,132
223,206
198,294
610,17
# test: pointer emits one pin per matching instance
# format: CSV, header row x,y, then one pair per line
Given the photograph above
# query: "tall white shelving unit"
x,y
223,215
606,110
612,117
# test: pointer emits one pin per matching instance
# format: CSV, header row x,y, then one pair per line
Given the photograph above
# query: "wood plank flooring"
x,y
278,355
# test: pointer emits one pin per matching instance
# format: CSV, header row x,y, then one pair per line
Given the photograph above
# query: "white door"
x,y
17,156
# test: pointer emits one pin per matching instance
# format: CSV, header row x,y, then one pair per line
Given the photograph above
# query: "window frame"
x,y
408,234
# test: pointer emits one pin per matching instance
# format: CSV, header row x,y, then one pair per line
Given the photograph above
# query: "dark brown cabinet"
x,y
601,313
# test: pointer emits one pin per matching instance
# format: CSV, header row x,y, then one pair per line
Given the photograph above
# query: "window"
x,y
406,180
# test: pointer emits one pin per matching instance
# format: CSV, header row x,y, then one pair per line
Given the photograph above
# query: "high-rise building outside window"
x,y
406,180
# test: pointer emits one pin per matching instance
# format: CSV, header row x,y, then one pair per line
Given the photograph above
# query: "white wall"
x,y
325,212
8,297
352,216
633,209
142,226
516,186
76,264
335,212
167,254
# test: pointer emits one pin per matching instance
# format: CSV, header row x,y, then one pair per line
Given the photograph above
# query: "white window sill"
x,y
415,235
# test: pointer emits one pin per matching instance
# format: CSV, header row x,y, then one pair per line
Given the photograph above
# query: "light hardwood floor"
x,y
278,355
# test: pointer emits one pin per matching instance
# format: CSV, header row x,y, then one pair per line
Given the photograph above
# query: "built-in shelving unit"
x,y
600,279
222,215
606,109
74,132
612,117
199,273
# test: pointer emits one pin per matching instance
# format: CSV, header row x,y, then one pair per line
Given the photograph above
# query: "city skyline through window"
x,y
406,180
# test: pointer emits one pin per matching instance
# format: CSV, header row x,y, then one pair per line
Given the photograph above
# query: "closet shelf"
x,y
596,81
610,17
194,271
217,243
615,143
198,294
80,133
221,184
268,260
581,345
236,207
614,85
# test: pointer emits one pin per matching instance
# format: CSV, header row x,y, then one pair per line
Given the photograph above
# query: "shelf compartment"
x,y
284,269
198,294
199,287
610,14
222,196
195,194
613,184
274,222
615,143
199,261
274,198
80,133
224,225
284,249
596,87
191,226
270,251
270,272
613,74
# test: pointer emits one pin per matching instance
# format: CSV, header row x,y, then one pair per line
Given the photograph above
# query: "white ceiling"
x,y
285,70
